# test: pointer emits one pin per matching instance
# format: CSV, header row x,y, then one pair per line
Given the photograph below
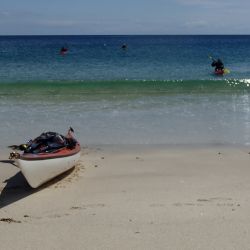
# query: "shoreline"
x,y
133,197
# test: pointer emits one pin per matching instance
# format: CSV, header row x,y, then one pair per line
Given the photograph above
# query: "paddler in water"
x,y
63,50
124,46
218,64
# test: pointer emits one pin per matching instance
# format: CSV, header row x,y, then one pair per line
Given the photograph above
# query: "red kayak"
x,y
219,72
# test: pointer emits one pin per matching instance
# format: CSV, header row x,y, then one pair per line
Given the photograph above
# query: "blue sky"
x,y
72,17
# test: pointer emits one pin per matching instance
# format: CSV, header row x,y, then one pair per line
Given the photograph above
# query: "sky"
x,y
117,17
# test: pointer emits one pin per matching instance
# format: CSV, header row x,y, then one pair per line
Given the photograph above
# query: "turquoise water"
x,y
160,90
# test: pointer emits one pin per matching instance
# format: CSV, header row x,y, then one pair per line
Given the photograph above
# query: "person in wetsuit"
x,y
218,64
63,50
124,46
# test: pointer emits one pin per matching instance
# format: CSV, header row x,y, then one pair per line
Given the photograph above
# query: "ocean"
x,y
159,90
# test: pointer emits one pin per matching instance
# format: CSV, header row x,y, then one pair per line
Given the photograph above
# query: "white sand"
x,y
133,197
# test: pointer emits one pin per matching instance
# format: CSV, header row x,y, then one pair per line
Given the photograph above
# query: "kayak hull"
x,y
219,72
40,168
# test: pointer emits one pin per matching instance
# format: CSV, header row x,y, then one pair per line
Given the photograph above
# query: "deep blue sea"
x,y
159,90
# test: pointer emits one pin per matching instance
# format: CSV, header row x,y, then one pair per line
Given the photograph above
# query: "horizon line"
x,y
124,34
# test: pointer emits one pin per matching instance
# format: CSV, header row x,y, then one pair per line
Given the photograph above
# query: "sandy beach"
x,y
132,197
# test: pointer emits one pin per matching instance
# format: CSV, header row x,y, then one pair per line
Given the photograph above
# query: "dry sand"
x,y
132,197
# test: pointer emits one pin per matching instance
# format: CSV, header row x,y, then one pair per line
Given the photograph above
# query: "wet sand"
x,y
132,197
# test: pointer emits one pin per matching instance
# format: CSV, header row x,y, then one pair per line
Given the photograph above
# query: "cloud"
x,y
196,24
4,13
58,23
208,3
19,15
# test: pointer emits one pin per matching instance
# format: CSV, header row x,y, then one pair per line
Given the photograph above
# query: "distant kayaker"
x,y
63,50
218,64
124,46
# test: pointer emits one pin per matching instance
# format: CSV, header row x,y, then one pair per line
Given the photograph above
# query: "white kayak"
x,y
40,165
40,168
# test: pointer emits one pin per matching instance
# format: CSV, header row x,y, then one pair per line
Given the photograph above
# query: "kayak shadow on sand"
x,y
17,187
